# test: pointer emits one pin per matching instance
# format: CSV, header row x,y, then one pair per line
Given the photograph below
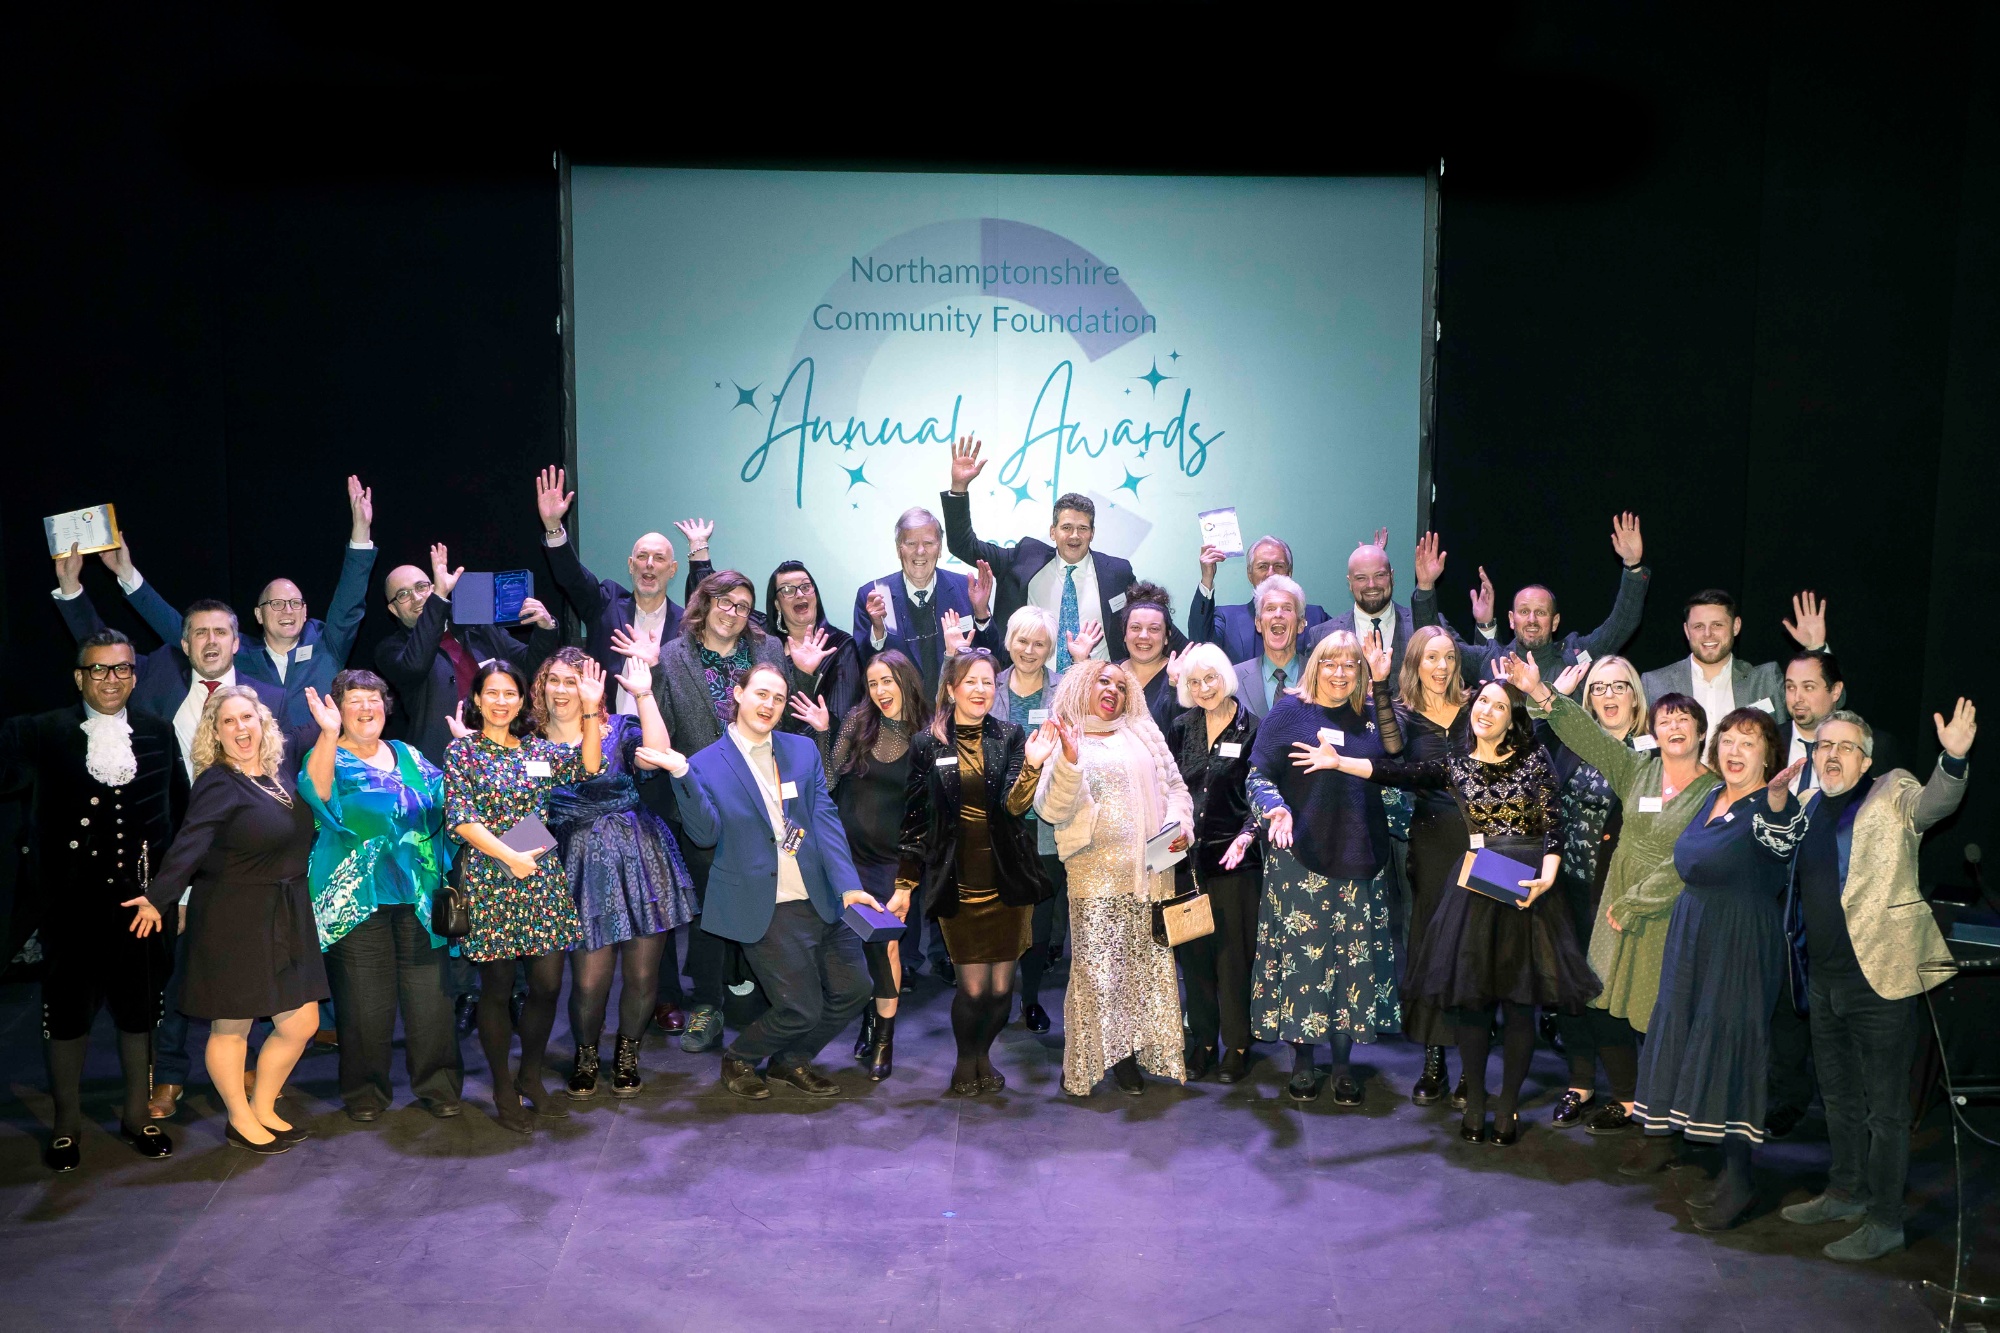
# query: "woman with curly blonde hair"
x,y
253,947
1112,785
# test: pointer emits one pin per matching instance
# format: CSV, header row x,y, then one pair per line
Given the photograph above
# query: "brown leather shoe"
x,y
164,1101
669,1019
742,1078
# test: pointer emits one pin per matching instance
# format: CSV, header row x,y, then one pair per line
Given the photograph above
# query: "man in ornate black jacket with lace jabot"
x,y
107,789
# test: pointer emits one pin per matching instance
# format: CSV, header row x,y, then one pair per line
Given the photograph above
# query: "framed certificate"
x,y
88,530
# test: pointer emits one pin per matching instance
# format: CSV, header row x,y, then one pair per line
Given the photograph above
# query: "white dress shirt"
x,y
188,715
764,767
1045,590
1716,696
1364,625
1808,778
644,622
910,587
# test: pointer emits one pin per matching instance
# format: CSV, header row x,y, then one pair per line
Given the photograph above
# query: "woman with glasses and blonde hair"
x,y
1110,787
252,947
1326,953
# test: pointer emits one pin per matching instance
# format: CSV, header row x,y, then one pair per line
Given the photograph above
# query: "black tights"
x,y
538,1018
979,1010
65,1057
1517,1047
590,987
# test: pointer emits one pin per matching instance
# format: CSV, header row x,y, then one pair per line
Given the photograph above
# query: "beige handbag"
x,y
1183,917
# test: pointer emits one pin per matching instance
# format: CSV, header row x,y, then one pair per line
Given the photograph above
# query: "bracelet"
x,y
587,716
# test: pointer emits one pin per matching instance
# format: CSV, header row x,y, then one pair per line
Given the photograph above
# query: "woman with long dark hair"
x,y
965,844
822,661
870,778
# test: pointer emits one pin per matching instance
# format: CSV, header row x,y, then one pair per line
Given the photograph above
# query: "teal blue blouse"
x,y
381,841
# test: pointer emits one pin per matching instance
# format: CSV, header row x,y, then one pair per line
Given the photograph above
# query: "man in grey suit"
x,y
1371,582
1263,679
1712,675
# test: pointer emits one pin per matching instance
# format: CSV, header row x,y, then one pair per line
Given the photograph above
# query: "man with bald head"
x,y
1371,583
1234,628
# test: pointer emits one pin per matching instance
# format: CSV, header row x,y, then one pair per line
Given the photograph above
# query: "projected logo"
x,y
1015,297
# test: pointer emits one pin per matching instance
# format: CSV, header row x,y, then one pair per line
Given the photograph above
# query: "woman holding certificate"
x,y
1499,940
501,776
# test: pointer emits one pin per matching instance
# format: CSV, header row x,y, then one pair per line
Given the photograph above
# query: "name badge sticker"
x,y
947,761
787,790
1477,842
303,653
1332,736
536,768
1117,603
1230,749
1764,706
1037,716
1644,743
1651,805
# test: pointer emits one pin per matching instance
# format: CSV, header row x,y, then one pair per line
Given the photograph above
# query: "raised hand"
x,y
965,463
1571,677
1482,600
119,559
665,761
590,685
1066,733
1430,561
812,712
534,613
1378,657
1521,672
145,917
957,631
1779,789
443,577
1625,539
1808,622
1381,540
1174,668
878,610
697,531
1280,831
636,679
979,589
361,510
454,722
1041,746
551,500
69,571
807,653
1315,758
1084,642
324,711
639,645
1233,857
1956,735
1211,559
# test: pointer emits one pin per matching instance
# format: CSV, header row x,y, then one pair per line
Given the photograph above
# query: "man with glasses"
x,y
1712,675
105,792
1234,628
1078,586
906,609
1371,582
1864,947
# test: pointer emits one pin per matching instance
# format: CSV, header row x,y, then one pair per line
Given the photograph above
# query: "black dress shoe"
x,y
947,973
1235,1067
805,1079
1198,1059
62,1154
1304,1086
1346,1092
1569,1109
445,1110
466,1011
1458,1094
1472,1133
363,1115
271,1149
1508,1137
909,986
1130,1081
148,1141
1034,1017
669,1019
1608,1119
742,1078
1780,1122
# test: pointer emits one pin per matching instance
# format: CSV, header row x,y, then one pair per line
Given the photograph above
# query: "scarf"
x,y
108,747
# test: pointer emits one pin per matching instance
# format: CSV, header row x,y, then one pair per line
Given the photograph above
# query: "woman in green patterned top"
x,y
379,856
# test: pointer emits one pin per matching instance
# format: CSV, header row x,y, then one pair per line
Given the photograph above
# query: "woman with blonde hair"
x,y
253,946
1110,787
1025,692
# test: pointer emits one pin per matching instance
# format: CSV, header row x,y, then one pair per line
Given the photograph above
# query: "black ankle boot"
x,y
625,1068
583,1075
881,1054
1429,1088
864,1041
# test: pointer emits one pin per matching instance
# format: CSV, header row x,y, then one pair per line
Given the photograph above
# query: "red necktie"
x,y
463,668
213,686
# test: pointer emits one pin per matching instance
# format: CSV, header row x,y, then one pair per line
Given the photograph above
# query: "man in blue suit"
x,y
1371,583
779,881
906,609
1234,628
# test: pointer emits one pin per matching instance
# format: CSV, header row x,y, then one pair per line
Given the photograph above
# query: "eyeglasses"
x,y
733,608
99,670
1845,749
1599,689
794,589
421,588
286,603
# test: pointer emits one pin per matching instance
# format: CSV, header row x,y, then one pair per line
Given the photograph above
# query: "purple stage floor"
x,y
891,1208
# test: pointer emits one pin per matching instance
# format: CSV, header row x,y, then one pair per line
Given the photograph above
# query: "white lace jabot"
x,y
108,753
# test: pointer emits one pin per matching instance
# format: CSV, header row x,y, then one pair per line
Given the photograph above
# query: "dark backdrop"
x,y
1738,277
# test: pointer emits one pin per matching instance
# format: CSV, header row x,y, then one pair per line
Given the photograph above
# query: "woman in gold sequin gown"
x,y
1111,786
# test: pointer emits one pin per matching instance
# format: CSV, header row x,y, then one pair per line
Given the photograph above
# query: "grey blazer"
x,y
680,687
1748,683
1250,686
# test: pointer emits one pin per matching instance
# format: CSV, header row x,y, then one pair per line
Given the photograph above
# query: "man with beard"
x,y
1275,663
1371,582
1535,620
1864,946
1234,628
106,791
1712,675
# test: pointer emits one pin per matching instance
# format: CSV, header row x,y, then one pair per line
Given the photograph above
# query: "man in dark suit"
x,y
906,610
780,878
431,662
1234,628
1371,582
105,789
1075,584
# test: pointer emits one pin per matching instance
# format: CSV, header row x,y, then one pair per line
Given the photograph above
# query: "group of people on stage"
x,y
1717,895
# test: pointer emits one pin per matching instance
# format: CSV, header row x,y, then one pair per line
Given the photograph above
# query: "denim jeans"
x,y
1863,1046
384,963
817,980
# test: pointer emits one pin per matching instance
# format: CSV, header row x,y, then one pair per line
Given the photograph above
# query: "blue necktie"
x,y
1066,623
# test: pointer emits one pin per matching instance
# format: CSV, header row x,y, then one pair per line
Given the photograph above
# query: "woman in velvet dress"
x,y
968,849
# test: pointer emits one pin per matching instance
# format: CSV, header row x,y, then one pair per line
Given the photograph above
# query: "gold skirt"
x,y
987,931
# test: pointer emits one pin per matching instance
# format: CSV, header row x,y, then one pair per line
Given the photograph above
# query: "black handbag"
x,y
451,905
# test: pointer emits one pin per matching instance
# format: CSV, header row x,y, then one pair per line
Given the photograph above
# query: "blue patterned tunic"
x,y
380,842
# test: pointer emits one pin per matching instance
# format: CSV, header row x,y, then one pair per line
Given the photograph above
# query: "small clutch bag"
x,y
1183,917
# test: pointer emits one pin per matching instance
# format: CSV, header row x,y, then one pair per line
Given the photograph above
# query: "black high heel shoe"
x,y
1472,1133
1508,1137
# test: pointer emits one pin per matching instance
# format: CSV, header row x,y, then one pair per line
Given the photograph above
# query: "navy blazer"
x,y
408,657
951,592
722,807
1234,628
322,649
1013,566
605,605
164,675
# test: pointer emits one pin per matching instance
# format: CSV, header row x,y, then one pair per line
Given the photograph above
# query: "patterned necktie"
x,y
1277,687
1066,623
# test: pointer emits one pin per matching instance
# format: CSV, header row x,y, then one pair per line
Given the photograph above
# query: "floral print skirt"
x,y
1326,957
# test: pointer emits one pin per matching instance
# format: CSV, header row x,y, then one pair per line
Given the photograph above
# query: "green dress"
x,y
1642,883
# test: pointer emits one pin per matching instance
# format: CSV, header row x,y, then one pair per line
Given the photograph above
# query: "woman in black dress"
x,y
966,844
252,948
870,777
1430,715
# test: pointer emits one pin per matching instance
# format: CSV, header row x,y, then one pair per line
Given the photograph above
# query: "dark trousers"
x,y
1216,968
816,978
171,1062
1863,1046
707,955
1049,924
1791,1055
385,963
